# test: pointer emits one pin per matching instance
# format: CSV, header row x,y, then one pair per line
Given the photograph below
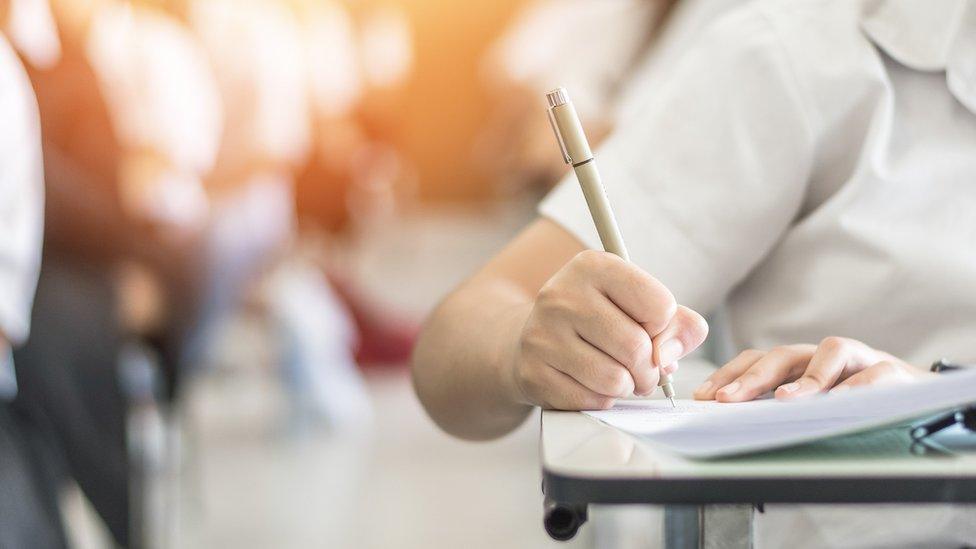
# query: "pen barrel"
x,y
599,204
570,132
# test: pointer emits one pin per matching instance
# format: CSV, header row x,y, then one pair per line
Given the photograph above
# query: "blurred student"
x,y
354,60
29,514
595,49
807,162
252,48
129,126
277,86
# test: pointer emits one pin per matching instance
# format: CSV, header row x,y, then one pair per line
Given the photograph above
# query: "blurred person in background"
x,y
599,50
130,120
286,73
356,58
29,513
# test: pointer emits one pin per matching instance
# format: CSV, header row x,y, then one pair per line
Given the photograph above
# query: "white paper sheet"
x,y
710,429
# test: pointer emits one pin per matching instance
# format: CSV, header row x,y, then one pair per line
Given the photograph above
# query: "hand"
x,y
600,329
801,370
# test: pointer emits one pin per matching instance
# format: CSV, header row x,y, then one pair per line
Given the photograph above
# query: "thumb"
x,y
686,331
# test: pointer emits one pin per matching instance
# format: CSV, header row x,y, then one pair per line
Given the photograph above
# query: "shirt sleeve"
x,y
21,197
711,170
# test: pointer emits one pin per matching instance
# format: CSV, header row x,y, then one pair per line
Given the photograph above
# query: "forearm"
x,y
462,365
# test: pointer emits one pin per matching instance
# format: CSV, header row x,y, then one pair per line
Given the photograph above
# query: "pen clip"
x,y
559,137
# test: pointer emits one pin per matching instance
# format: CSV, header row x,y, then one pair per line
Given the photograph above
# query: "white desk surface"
x,y
578,446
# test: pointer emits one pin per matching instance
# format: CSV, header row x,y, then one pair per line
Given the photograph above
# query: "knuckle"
x,y
636,349
553,300
833,343
549,292
590,259
617,380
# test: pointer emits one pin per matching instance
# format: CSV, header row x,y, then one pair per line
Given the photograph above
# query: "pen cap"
x,y
569,130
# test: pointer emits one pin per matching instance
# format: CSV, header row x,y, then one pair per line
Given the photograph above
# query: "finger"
x,y
556,390
724,375
683,334
778,365
593,368
669,369
638,294
882,373
827,365
613,332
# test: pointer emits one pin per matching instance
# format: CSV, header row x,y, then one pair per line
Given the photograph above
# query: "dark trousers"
x,y
29,515
69,387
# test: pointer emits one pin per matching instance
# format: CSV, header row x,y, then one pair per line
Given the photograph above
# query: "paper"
x,y
650,416
709,429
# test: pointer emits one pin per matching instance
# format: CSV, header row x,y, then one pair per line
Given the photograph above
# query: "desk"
x,y
585,461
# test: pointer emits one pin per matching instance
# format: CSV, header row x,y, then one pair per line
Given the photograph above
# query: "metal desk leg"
x,y
708,527
727,527
682,526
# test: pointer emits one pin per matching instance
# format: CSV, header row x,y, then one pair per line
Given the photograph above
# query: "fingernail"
x,y
705,387
669,351
790,387
840,388
731,388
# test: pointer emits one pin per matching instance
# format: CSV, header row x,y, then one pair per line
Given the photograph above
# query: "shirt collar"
x,y
934,35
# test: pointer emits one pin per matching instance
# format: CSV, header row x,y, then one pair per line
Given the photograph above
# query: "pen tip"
x,y
673,405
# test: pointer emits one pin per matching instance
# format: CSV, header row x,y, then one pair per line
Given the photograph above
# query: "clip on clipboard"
x,y
963,416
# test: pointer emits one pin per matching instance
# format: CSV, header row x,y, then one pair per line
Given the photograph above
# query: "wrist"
x,y
510,354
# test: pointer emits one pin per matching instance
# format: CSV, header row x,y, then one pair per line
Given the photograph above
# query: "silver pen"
x,y
576,152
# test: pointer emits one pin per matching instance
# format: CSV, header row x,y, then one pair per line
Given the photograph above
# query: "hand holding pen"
x,y
630,317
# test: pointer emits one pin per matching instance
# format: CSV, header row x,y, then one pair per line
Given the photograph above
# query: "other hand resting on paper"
x,y
793,371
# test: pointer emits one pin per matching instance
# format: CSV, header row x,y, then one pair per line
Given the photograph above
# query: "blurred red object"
x,y
386,338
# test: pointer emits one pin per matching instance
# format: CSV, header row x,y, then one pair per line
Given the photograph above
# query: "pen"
x,y
576,152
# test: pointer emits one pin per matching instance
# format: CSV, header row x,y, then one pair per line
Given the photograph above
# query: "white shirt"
x,y
813,165
21,205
